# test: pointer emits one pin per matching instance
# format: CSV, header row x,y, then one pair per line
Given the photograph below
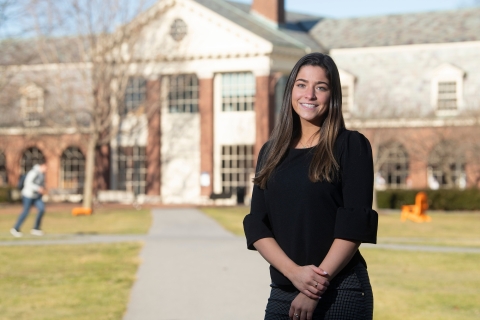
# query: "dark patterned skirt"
x,y
349,297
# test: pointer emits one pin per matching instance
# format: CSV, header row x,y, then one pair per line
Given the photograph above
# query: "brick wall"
x,y
206,131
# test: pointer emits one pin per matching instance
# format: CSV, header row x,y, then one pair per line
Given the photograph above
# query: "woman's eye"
x,y
321,89
301,85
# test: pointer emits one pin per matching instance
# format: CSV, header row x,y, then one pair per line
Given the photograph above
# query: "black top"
x,y
305,217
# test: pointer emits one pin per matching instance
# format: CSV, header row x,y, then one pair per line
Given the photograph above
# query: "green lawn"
x,y
413,285
446,229
60,222
77,282
420,285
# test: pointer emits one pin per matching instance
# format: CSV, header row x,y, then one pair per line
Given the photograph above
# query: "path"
x,y
193,269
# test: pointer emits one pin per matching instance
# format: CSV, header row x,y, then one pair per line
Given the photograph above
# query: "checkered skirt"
x,y
349,297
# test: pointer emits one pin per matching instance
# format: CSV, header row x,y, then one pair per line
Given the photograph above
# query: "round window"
x,y
178,29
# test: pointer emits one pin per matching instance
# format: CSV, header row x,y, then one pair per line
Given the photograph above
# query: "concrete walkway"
x,y
193,269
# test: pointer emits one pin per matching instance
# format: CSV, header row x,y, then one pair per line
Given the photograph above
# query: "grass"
x,y
61,222
420,285
446,229
413,285
79,282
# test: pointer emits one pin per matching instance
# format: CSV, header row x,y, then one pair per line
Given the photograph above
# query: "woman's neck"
x,y
309,135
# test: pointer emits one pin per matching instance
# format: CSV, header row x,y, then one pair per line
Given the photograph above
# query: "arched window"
x,y
31,157
72,172
446,167
3,170
394,164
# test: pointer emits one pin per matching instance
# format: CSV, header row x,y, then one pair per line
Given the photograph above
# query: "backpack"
x,y
21,182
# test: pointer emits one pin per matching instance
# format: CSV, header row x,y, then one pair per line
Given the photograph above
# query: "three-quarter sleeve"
x,y
356,220
256,224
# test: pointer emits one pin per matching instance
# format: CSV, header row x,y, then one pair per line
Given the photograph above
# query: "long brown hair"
x,y
323,165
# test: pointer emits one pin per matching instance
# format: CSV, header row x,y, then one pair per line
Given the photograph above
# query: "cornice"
x,y
411,123
17,131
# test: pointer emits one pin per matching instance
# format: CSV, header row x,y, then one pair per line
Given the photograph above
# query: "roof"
x,y
27,51
391,30
294,33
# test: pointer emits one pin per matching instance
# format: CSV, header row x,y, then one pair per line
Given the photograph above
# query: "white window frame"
x,y
30,157
182,103
135,164
236,167
136,91
31,92
241,89
447,73
347,80
72,159
394,163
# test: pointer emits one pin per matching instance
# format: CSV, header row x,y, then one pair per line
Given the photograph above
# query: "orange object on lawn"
x,y
416,212
80,210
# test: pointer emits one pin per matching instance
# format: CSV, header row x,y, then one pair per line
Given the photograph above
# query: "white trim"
x,y
348,80
13,131
411,123
411,47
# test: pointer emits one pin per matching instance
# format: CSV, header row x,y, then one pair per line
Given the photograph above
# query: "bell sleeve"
x,y
356,221
256,224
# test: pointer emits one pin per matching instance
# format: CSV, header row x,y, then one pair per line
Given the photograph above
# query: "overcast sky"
x,y
361,8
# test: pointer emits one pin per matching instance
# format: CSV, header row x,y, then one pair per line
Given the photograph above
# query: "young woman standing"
x,y
312,202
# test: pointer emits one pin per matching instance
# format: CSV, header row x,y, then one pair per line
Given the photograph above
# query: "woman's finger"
x,y
311,295
303,315
291,312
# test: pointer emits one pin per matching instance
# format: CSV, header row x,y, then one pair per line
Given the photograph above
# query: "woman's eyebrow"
x,y
318,82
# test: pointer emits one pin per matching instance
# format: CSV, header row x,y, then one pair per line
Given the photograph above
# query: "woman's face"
x,y
311,94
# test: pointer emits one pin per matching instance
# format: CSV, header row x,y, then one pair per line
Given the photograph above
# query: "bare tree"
x,y
98,40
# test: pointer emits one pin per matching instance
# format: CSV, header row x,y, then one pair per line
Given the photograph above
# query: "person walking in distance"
x,y
32,192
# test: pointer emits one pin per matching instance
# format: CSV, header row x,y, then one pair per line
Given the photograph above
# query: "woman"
x,y
311,202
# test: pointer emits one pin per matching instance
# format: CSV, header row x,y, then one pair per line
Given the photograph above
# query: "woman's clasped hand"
x,y
310,280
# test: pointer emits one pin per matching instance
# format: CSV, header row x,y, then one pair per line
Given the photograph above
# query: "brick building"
x,y
214,80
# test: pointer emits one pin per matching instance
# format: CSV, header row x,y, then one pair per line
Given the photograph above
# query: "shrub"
x,y
5,194
445,199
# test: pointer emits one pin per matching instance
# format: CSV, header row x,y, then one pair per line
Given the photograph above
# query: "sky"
x,y
363,8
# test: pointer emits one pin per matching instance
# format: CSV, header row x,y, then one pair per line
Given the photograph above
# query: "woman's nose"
x,y
310,94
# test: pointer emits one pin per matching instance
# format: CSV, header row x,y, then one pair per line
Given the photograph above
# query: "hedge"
x,y
445,199
5,194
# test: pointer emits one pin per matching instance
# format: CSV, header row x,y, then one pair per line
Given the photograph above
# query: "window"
x,y
178,29
72,172
393,162
279,92
237,167
238,91
446,167
132,169
345,98
3,170
32,105
447,90
31,157
347,81
135,94
447,95
183,93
